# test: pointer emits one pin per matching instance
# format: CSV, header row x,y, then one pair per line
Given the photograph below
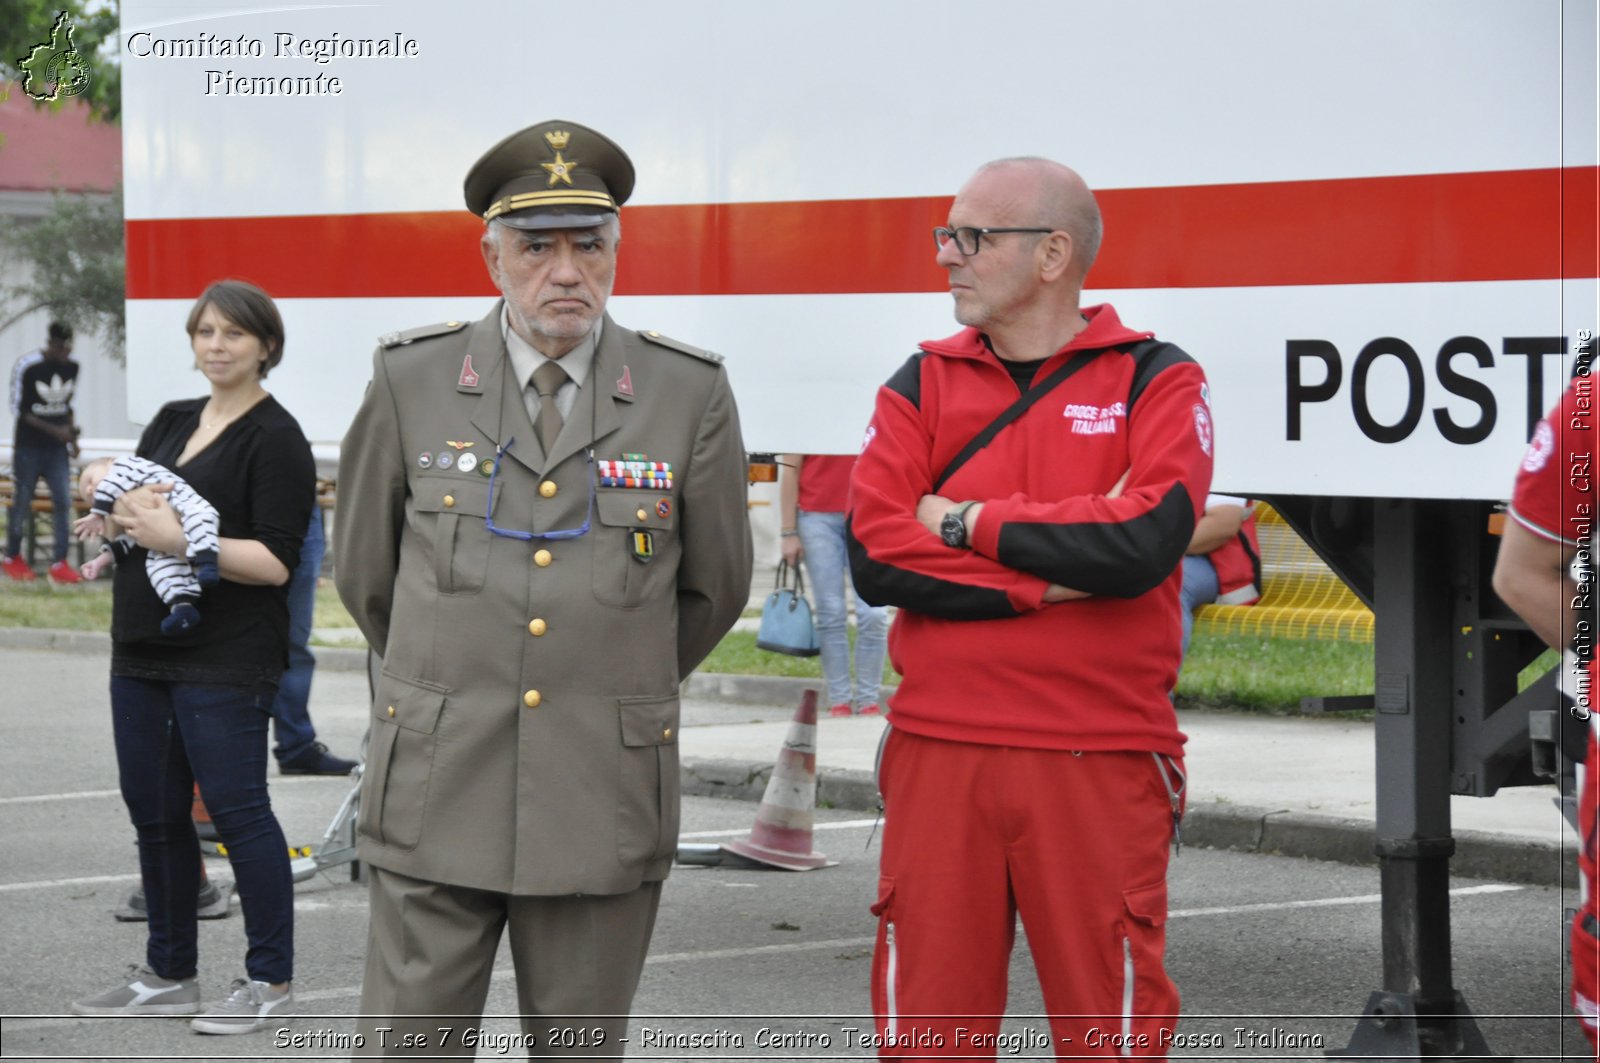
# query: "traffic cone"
x,y
781,836
202,819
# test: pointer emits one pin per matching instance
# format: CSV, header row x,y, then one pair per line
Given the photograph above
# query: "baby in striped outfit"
x,y
178,580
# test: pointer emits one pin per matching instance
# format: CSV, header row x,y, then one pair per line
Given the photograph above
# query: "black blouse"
x,y
260,476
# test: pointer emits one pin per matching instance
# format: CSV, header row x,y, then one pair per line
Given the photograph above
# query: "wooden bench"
x,y
1300,596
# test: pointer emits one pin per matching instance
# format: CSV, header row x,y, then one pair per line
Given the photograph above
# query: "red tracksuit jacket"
x,y
984,659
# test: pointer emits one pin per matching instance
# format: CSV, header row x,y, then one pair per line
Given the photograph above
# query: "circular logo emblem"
x,y
425,461
1202,428
445,459
467,462
68,73
1540,447
664,508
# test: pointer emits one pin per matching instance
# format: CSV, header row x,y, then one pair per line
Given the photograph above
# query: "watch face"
x,y
952,530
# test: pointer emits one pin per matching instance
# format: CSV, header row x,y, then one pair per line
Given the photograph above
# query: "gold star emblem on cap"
x,y
560,170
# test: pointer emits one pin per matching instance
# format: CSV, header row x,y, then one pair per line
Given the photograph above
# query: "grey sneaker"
x,y
247,1009
146,993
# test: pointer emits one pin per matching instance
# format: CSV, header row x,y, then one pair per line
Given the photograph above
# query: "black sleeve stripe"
x,y
1153,363
907,380
1121,560
881,584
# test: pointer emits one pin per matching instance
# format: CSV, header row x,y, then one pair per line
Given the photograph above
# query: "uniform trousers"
x,y
431,949
1076,844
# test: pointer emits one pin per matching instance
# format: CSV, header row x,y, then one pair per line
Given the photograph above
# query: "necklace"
x,y
217,419
212,419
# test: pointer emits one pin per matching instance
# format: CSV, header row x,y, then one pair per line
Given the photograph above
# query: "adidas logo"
x,y
55,397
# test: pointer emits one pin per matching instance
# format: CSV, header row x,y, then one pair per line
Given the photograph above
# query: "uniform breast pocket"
x,y
636,546
456,507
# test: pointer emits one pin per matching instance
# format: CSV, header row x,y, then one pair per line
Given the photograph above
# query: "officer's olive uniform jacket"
x,y
525,727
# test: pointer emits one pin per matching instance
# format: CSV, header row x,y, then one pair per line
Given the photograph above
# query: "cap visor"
x,y
547,219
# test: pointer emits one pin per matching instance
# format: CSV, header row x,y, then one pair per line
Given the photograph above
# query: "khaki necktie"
x,y
547,380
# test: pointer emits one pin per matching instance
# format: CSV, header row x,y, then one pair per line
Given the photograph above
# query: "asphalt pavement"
x,y
1296,786
1252,932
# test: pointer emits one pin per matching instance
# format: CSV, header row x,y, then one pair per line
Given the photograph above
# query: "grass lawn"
x,y
1254,674
87,607
1265,675
1270,675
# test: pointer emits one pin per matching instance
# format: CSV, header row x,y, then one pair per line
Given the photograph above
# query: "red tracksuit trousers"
x,y
1586,922
1076,844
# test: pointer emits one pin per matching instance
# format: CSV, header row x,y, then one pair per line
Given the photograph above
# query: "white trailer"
x,y
1373,223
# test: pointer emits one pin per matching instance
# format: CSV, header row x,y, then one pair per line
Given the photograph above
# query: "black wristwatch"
x,y
953,528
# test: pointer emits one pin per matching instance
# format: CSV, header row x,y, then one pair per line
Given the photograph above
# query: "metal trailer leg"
x,y
1420,548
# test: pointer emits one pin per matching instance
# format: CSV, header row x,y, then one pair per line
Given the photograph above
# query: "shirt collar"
x,y
525,358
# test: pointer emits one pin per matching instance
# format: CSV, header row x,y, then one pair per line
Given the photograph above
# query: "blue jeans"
x,y
1199,588
170,735
828,572
28,464
291,713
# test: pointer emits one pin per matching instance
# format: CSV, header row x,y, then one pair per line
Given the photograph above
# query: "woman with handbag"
x,y
812,489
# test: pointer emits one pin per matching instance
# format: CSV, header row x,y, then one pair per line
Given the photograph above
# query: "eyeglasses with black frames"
x,y
967,236
527,536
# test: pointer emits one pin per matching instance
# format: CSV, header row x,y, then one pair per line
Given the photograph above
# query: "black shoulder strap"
x,y
1141,352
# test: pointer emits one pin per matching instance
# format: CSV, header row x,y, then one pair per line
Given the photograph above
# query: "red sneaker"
x,y
870,710
839,710
18,569
63,572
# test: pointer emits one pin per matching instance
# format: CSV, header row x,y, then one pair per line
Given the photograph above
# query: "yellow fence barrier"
x,y
1301,597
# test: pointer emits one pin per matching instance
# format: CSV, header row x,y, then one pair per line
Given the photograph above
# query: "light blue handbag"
x,y
786,625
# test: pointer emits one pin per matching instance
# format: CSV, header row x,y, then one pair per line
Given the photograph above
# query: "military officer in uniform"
x,y
542,529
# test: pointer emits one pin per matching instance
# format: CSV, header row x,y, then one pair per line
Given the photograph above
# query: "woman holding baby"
x,y
192,706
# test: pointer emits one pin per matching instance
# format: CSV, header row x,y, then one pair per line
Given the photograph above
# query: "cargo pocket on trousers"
x,y
399,762
1149,999
647,807
886,962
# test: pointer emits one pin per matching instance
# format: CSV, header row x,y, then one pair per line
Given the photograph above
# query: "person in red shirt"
x,y
1552,524
812,490
1223,563
1034,766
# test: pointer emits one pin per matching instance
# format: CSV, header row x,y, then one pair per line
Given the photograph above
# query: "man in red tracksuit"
x,y
1553,518
1035,762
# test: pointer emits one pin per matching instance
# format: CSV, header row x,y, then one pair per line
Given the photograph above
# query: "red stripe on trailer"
x,y
1492,226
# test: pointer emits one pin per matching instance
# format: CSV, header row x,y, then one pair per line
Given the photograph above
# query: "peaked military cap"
x,y
555,175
